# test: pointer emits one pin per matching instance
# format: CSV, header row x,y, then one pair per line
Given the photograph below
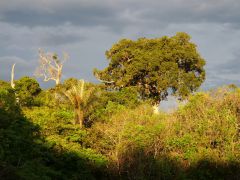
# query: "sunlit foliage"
x,y
156,67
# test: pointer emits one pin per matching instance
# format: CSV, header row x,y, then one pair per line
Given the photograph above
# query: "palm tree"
x,y
79,97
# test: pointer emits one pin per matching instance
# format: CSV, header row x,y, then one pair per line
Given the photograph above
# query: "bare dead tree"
x,y
13,83
50,66
12,76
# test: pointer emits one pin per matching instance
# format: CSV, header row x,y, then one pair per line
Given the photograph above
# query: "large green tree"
x,y
156,67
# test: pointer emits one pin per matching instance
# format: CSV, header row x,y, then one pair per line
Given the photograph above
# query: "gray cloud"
x,y
230,67
117,14
73,15
60,39
188,11
12,59
78,14
86,29
22,68
222,75
215,82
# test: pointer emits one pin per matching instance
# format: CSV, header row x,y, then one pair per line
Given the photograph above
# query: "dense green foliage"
x,y
43,145
156,67
124,140
26,89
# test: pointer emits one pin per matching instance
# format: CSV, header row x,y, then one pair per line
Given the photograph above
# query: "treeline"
x,y
121,139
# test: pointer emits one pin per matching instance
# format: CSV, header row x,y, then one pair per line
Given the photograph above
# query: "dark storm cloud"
x,y
112,13
80,16
86,28
75,14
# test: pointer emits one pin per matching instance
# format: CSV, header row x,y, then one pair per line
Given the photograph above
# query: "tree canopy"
x,y
26,89
156,67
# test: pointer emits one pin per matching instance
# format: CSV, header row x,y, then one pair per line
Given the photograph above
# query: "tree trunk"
x,y
57,81
156,108
59,75
79,117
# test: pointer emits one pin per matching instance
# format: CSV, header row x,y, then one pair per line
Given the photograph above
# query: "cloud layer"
x,y
87,28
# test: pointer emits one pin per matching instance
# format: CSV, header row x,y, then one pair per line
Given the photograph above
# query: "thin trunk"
x,y
79,117
156,108
57,81
59,75
82,89
12,77
76,117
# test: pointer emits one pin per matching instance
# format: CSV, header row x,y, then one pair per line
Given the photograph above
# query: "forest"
x,y
114,129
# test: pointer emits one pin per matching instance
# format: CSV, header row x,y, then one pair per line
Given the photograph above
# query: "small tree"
x,y
155,67
50,66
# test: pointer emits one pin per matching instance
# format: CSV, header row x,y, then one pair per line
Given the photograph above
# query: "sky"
x,y
85,29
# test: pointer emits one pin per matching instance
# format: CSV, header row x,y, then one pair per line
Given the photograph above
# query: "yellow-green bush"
x,y
200,140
